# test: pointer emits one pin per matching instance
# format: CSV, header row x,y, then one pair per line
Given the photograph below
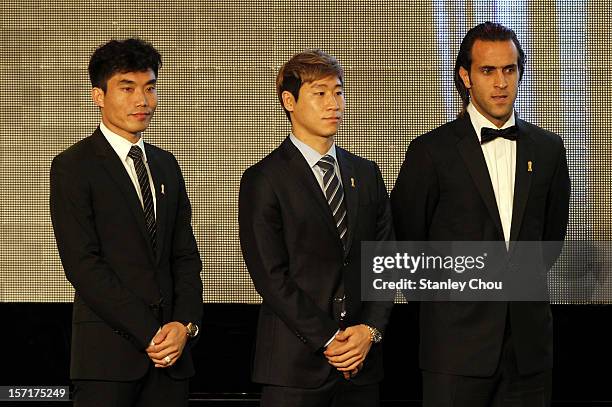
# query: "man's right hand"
x,y
168,344
353,373
349,348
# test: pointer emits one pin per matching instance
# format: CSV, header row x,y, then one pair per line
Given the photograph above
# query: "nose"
x,y
334,102
141,98
500,79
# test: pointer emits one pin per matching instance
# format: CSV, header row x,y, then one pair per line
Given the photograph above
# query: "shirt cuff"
x,y
331,339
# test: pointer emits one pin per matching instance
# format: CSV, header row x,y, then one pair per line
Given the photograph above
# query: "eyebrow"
x,y
495,67
129,82
321,85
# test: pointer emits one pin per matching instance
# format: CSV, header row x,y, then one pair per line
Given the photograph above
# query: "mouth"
x,y
499,98
332,119
141,115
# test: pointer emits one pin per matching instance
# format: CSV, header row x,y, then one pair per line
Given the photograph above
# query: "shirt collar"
x,y
479,121
120,144
311,155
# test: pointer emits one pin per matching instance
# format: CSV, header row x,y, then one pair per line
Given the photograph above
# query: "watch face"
x,y
192,329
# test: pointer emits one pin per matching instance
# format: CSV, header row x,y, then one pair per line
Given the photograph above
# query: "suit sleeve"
x,y
185,261
415,195
376,313
92,277
557,209
267,259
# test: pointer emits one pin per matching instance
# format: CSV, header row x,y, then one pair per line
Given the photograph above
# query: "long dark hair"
x,y
486,32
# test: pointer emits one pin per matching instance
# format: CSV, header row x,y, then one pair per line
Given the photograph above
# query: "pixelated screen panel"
x,y
219,114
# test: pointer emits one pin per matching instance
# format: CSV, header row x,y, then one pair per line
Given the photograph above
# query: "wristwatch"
x,y
375,335
192,330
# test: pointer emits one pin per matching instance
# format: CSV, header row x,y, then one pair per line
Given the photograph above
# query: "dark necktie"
x,y
487,134
334,194
147,198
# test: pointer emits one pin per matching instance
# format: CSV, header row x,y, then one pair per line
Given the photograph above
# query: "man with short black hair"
x,y
122,222
486,176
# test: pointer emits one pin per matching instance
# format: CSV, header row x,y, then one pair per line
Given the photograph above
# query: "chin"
x,y
502,115
139,129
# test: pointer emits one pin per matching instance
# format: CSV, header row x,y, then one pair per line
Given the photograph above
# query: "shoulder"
x,y
274,163
539,135
265,171
159,152
437,142
355,160
78,154
446,132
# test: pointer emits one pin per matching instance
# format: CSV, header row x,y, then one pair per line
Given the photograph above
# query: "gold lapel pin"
x,y
353,182
529,166
162,189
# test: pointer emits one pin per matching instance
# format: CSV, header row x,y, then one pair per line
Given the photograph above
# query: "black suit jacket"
x,y
123,291
444,193
295,257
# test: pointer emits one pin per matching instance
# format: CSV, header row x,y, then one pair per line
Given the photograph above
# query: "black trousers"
x,y
155,389
335,392
505,388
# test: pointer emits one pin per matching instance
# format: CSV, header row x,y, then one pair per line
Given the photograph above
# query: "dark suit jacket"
x,y
107,256
295,257
444,193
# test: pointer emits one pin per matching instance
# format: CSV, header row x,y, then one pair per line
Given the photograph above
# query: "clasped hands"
x,y
167,345
349,349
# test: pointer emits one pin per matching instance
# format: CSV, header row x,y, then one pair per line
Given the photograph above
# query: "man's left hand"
x,y
167,346
349,348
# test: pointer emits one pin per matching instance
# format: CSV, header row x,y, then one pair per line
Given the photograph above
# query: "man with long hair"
x,y
486,176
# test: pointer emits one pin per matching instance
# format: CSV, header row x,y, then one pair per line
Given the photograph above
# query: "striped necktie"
x,y
334,194
147,198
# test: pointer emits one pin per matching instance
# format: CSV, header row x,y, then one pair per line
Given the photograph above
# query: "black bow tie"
x,y
488,134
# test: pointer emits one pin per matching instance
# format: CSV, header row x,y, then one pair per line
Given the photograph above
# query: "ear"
x,y
288,101
465,77
97,95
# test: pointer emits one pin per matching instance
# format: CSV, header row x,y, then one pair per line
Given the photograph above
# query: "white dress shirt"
x,y
122,147
312,157
500,156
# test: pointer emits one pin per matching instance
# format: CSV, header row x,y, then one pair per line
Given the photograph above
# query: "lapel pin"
x,y
353,182
529,166
162,187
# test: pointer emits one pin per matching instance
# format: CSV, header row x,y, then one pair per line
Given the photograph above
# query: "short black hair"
x,y
120,56
487,31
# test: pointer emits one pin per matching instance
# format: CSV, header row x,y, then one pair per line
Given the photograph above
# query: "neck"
x,y
131,137
498,122
319,144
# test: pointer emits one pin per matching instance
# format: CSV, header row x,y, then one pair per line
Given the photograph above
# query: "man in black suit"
x,y
469,181
122,222
303,212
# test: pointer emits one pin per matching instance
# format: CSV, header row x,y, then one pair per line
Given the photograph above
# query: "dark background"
x,y
36,351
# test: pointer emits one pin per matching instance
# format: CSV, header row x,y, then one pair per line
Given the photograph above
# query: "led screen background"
x,y
218,110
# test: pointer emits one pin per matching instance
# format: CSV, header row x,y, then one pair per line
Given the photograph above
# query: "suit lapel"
x,y
472,155
113,165
302,177
351,195
159,180
525,156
